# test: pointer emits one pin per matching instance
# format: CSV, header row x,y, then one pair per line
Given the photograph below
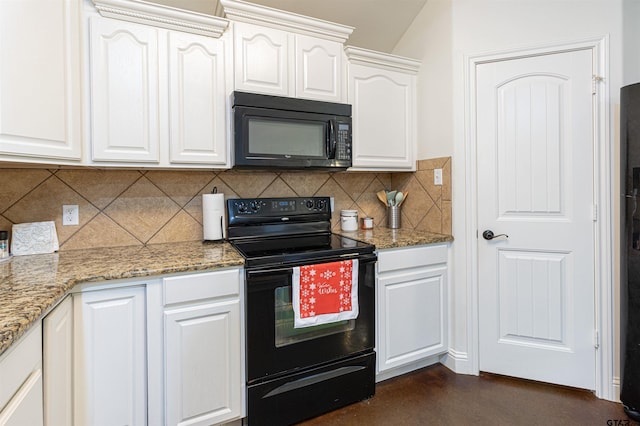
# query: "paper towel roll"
x,y
214,225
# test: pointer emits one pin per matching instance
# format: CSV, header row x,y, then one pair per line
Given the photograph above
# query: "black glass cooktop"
x,y
287,250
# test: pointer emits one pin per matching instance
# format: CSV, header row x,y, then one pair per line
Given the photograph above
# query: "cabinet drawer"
x,y
187,288
412,257
23,358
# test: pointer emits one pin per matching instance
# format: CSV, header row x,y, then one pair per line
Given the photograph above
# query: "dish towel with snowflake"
x,y
325,293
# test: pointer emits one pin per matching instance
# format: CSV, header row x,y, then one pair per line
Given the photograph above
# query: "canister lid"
x,y
348,212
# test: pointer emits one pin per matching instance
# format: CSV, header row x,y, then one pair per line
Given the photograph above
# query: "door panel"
x,y
535,184
532,287
529,145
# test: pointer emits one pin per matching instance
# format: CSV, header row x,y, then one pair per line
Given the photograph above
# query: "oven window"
x,y
287,335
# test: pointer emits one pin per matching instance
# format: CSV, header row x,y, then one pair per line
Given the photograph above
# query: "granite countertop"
x,y
384,238
31,285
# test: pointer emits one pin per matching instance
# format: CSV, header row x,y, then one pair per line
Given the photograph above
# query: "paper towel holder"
x,y
213,215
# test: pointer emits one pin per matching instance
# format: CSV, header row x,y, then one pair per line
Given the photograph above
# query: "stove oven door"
x,y
275,347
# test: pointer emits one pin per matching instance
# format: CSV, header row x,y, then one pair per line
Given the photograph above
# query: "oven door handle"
x,y
270,271
361,258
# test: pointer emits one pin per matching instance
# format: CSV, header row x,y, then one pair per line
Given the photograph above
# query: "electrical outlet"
x,y
437,177
70,215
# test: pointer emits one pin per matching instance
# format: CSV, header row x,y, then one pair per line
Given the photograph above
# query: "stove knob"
x,y
320,204
242,207
254,205
309,204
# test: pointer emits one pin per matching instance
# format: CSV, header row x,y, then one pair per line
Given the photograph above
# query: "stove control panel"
x,y
281,208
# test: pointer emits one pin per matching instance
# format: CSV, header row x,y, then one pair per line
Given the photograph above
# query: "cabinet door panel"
x,y
197,99
318,69
58,364
411,316
124,91
25,408
261,60
203,376
383,118
40,91
21,380
110,353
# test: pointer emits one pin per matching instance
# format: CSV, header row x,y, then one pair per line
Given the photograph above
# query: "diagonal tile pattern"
x,y
99,187
132,207
142,210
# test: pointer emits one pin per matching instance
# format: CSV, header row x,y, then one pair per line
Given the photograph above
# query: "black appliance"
x,y
630,250
298,373
280,132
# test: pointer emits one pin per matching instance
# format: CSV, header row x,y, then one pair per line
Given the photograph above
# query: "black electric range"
x,y
283,231
295,373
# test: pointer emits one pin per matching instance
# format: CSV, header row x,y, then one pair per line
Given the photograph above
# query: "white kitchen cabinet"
x,y
21,381
382,91
125,94
165,351
158,96
277,62
203,362
40,84
110,357
319,69
197,100
285,54
261,59
58,363
412,307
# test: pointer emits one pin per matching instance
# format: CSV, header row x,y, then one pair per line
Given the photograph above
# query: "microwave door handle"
x,y
332,140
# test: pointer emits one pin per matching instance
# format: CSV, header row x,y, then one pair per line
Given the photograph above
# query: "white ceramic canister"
x,y
349,220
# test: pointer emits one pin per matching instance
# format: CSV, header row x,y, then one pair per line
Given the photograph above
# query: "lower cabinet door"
x,y
110,357
57,334
25,408
412,312
203,368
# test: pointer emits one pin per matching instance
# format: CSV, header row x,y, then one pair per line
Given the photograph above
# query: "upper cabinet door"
x,y
383,118
197,99
40,89
262,57
319,69
124,91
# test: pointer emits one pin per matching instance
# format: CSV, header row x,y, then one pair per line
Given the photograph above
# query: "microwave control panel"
x,y
343,142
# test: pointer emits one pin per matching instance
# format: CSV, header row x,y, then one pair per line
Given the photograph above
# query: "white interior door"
x,y
535,184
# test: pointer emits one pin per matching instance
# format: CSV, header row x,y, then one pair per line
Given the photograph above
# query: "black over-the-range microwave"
x,y
290,133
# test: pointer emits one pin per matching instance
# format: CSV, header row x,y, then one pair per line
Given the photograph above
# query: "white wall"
x,y
448,31
430,38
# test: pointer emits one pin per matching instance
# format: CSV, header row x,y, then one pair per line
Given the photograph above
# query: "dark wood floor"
x,y
437,396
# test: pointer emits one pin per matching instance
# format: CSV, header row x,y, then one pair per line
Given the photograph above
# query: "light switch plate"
x,y
437,177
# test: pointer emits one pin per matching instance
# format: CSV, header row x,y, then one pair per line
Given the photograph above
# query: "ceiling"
x,y
379,24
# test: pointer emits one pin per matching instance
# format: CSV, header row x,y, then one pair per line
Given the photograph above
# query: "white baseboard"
x,y
458,362
616,385
398,371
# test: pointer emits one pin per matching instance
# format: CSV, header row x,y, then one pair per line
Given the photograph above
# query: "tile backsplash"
x,y
132,207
